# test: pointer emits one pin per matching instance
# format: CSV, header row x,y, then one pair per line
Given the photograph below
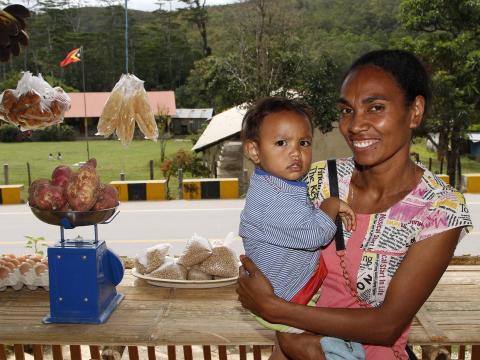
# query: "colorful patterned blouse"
x,y
431,208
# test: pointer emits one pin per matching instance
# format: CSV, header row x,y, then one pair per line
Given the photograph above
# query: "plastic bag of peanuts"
x,y
126,106
151,258
34,104
170,270
196,250
223,263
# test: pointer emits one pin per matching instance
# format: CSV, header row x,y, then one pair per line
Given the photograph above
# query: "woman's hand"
x,y
255,292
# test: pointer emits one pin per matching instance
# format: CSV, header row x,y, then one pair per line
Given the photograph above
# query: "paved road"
x,y
143,224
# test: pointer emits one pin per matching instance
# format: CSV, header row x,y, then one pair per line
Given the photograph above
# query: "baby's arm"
x,y
333,206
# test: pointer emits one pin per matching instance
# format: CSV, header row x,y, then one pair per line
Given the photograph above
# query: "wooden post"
x,y
180,184
29,174
5,174
151,169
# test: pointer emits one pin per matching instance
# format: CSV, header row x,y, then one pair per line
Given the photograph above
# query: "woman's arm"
x,y
410,287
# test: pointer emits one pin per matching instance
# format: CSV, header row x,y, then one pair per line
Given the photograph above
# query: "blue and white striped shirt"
x,y
282,231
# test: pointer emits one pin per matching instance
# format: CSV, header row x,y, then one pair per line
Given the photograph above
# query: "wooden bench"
x,y
11,194
140,190
196,323
218,188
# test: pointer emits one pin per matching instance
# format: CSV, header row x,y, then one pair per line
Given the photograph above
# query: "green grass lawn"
x,y
468,165
112,159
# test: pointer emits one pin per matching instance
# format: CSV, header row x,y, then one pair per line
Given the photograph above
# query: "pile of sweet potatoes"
x,y
71,190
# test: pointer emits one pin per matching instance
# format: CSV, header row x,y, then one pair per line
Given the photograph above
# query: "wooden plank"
x,y
75,352
133,353
187,352
172,354
19,352
3,355
257,352
207,352
37,352
430,326
242,349
151,353
222,352
57,352
475,352
94,352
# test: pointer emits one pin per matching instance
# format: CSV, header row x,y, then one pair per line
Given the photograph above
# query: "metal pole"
x,y
85,123
126,36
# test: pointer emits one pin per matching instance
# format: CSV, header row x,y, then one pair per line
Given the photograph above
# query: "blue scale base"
x,y
82,280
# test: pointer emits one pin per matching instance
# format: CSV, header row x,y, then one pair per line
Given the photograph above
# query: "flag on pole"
x,y
72,57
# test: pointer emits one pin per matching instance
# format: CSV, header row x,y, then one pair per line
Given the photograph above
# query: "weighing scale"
x,y
83,274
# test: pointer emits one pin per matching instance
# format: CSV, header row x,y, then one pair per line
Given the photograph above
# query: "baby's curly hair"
x,y
252,121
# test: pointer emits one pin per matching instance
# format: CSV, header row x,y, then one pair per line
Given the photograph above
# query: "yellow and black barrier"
x,y
140,190
11,194
194,189
471,183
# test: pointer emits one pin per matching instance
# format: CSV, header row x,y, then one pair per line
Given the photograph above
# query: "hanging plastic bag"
x,y
34,104
126,106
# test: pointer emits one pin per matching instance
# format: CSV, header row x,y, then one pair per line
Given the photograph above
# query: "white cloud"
x,y
145,5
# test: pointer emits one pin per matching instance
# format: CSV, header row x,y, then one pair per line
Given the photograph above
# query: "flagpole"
x,y
126,36
84,101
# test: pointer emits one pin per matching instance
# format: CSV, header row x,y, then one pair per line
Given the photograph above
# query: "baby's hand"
x,y
347,215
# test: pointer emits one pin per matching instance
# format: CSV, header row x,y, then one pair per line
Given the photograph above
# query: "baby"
x,y
282,231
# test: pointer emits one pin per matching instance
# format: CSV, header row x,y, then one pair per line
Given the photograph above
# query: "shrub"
x,y
54,133
9,133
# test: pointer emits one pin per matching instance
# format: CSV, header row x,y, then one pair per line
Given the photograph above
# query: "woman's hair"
x,y
252,121
406,69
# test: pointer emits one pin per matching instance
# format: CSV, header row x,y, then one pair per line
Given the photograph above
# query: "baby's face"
x,y
284,148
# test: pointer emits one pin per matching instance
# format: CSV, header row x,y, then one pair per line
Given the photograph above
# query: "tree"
x,y
446,34
198,15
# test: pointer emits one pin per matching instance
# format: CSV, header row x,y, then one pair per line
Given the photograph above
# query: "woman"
x,y
408,221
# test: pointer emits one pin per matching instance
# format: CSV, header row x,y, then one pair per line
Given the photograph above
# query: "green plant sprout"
x,y
36,243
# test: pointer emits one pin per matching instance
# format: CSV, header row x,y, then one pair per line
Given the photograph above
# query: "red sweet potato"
x,y
82,189
61,174
47,196
31,190
107,197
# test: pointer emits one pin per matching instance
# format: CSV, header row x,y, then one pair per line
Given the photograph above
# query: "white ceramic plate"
x,y
185,284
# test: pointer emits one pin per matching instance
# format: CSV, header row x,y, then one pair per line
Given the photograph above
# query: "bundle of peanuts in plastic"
x,y
34,104
126,106
200,260
26,270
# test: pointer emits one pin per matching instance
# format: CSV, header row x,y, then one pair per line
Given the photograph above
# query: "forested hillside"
x,y
164,46
225,55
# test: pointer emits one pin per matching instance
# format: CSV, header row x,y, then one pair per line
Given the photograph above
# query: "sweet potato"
x,y
82,188
61,175
107,197
31,190
49,197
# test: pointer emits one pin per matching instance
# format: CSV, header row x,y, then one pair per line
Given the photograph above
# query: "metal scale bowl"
x,y
83,274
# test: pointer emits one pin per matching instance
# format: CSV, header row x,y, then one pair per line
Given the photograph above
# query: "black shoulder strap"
x,y
333,181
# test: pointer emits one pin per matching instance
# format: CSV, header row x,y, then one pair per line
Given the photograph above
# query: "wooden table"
x,y
152,316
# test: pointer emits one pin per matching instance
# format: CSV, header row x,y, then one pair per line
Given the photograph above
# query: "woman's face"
x,y
374,118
